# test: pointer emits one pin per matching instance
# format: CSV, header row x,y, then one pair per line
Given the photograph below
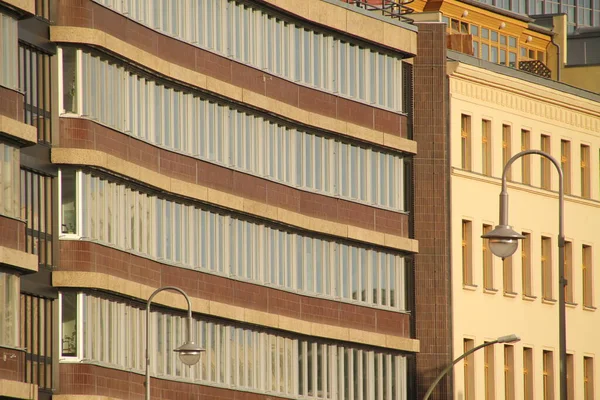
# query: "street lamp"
x,y
502,339
503,243
189,352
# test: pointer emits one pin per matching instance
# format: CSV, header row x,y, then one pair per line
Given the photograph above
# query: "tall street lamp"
x,y
503,242
189,352
502,339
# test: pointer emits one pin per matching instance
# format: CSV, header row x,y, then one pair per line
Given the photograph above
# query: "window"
x,y
548,375
507,274
467,251
528,373
545,179
570,377
565,163
525,160
569,272
69,324
243,25
37,211
9,180
585,171
486,147
236,354
8,51
469,370
226,135
487,261
526,264
509,372
35,81
506,149
37,315
122,217
546,268
488,363
465,134
586,259
588,378
9,309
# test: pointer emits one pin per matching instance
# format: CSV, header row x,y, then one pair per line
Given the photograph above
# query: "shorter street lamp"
x,y
502,339
189,352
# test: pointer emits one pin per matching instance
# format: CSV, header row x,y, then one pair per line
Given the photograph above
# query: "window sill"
x,y
589,308
510,294
471,287
529,297
548,301
570,304
490,291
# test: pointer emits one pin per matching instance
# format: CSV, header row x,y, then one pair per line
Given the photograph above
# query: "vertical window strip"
x,y
231,137
10,178
246,26
228,246
9,50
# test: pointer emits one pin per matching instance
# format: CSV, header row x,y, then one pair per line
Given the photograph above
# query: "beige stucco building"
x,y
495,112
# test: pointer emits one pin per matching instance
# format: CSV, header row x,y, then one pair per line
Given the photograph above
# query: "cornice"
x,y
95,280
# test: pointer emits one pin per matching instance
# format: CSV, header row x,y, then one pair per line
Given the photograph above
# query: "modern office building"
x,y
256,155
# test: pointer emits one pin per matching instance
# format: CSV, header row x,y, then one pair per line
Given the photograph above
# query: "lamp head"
x,y
508,339
189,353
503,240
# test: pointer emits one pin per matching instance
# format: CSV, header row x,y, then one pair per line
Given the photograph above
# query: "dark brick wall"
x,y
86,134
431,213
85,13
12,364
93,257
12,233
11,104
84,379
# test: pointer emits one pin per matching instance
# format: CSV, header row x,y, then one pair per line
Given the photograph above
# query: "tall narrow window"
x,y
525,160
588,378
465,134
509,372
37,210
570,377
526,264
486,147
487,261
507,272
467,248
488,365
469,365
545,181
569,272
585,171
506,148
527,373
546,267
586,260
548,375
565,163
69,324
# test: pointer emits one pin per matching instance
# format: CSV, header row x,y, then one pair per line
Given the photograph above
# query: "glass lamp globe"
x,y
189,353
503,248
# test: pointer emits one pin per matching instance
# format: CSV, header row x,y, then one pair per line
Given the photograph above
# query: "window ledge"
x,y
570,304
469,286
510,294
589,308
529,297
490,291
548,301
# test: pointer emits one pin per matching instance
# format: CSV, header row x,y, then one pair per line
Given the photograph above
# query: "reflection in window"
x,y
69,324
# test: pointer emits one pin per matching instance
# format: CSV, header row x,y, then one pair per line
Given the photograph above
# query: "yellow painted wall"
x,y
586,77
484,316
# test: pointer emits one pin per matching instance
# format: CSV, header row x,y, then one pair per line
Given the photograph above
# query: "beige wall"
x,y
483,316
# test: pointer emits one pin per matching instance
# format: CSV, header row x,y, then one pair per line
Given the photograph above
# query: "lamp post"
x,y
189,352
502,339
504,241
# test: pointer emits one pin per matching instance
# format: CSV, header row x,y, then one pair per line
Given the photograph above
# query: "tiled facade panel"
x,y
86,134
11,104
12,364
431,212
92,257
12,233
87,14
